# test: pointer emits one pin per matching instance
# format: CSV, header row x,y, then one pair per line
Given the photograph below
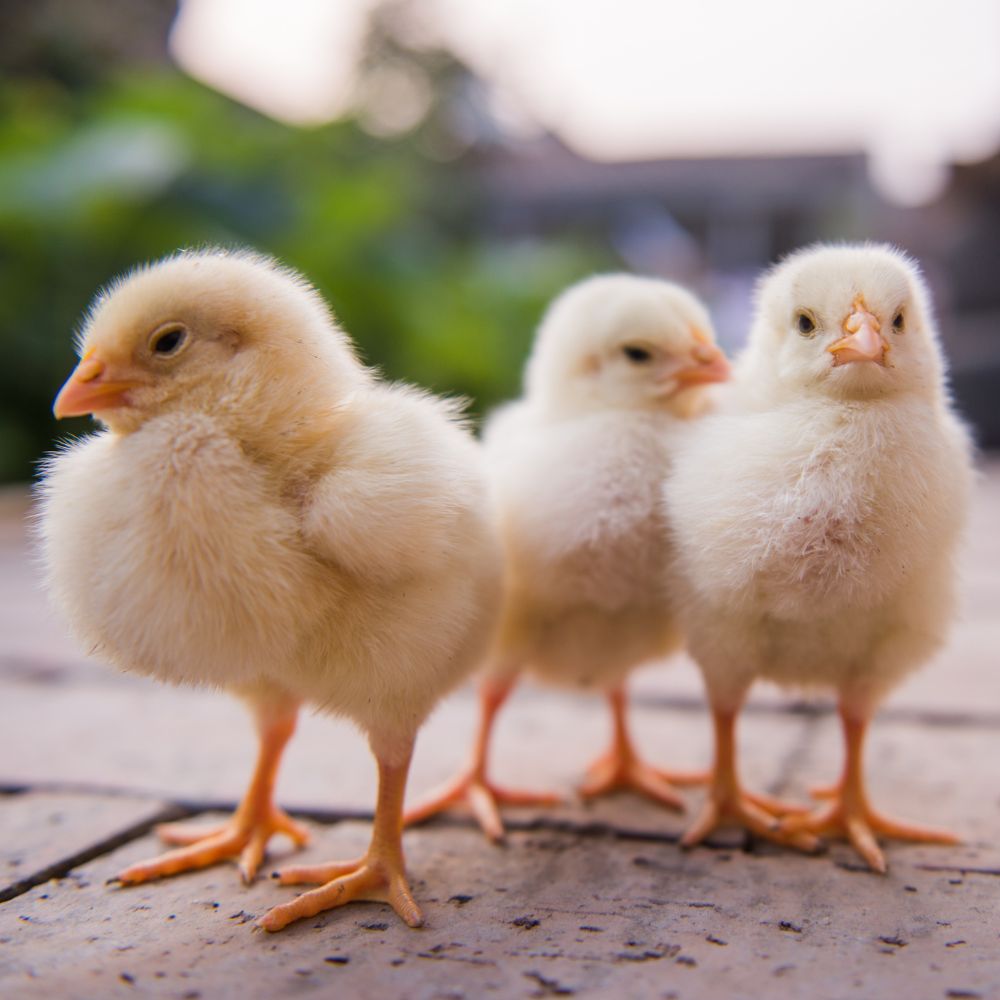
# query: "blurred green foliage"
x,y
94,180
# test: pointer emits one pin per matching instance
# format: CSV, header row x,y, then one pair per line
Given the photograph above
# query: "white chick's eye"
x,y
899,322
637,355
805,324
167,340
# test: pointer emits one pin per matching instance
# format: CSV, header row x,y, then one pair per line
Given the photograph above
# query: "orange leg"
x,y
471,784
728,802
850,814
621,767
256,820
379,876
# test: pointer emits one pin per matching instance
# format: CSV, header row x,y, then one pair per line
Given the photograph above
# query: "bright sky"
x,y
915,84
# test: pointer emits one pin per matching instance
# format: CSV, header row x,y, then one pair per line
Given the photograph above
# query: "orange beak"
x,y
863,340
89,390
711,366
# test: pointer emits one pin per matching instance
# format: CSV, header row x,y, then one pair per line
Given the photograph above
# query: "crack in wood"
x,y
62,867
959,869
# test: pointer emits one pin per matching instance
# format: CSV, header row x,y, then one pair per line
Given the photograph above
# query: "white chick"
x,y
261,514
816,523
620,367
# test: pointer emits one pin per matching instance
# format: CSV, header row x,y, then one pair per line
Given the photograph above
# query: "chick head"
x,y
619,341
849,321
211,330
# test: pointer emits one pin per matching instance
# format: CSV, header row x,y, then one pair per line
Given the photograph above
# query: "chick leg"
x,y
728,802
621,767
849,813
253,824
379,876
471,784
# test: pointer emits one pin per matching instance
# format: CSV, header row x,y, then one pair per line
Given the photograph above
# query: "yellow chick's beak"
x,y
710,366
89,390
862,341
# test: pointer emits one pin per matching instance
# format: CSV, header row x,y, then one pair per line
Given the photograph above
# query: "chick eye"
x,y
898,323
168,340
806,324
638,355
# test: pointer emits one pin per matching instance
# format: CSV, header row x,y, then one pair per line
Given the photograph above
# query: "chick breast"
x,y
369,591
815,542
173,556
585,542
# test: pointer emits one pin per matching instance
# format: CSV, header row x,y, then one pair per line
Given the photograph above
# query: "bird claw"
x,y
743,809
370,878
204,846
858,823
483,798
619,769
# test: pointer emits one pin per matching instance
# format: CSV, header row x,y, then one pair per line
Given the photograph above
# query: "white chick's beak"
x,y
90,390
710,366
863,340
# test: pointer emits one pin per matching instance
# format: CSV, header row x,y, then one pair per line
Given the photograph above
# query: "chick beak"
x,y
90,390
862,340
710,366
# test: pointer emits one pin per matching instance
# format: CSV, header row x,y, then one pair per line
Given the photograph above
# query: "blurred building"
x,y
715,223
495,190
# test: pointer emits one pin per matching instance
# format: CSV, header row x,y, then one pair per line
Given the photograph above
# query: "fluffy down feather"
x,y
816,519
576,468
260,513
620,366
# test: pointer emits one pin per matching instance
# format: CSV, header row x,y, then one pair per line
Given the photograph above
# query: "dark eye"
x,y
806,324
168,340
898,323
639,355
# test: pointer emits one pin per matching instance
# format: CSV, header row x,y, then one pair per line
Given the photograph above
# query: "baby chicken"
x,y
261,514
816,524
620,366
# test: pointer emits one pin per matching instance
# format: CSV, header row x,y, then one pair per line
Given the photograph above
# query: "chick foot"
x,y
621,767
858,823
246,839
483,798
380,876
849,813
471,786
616,771
738,808
373,878
694,779
728,803
246,834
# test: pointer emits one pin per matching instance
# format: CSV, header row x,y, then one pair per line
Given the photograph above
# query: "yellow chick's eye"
x,y
168,340
898,322
637,355
805,324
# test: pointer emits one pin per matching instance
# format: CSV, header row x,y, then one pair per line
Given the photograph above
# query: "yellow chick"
x,y
261,514
816,521
620,366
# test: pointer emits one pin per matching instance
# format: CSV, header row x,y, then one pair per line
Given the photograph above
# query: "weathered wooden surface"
x,y
592,900
41,833
552,914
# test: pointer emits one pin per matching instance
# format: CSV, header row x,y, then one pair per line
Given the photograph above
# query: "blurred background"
x,y
441,168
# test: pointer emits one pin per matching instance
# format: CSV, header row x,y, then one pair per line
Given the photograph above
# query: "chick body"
x,y
619,369
816,520
826,550
265,516
585,545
